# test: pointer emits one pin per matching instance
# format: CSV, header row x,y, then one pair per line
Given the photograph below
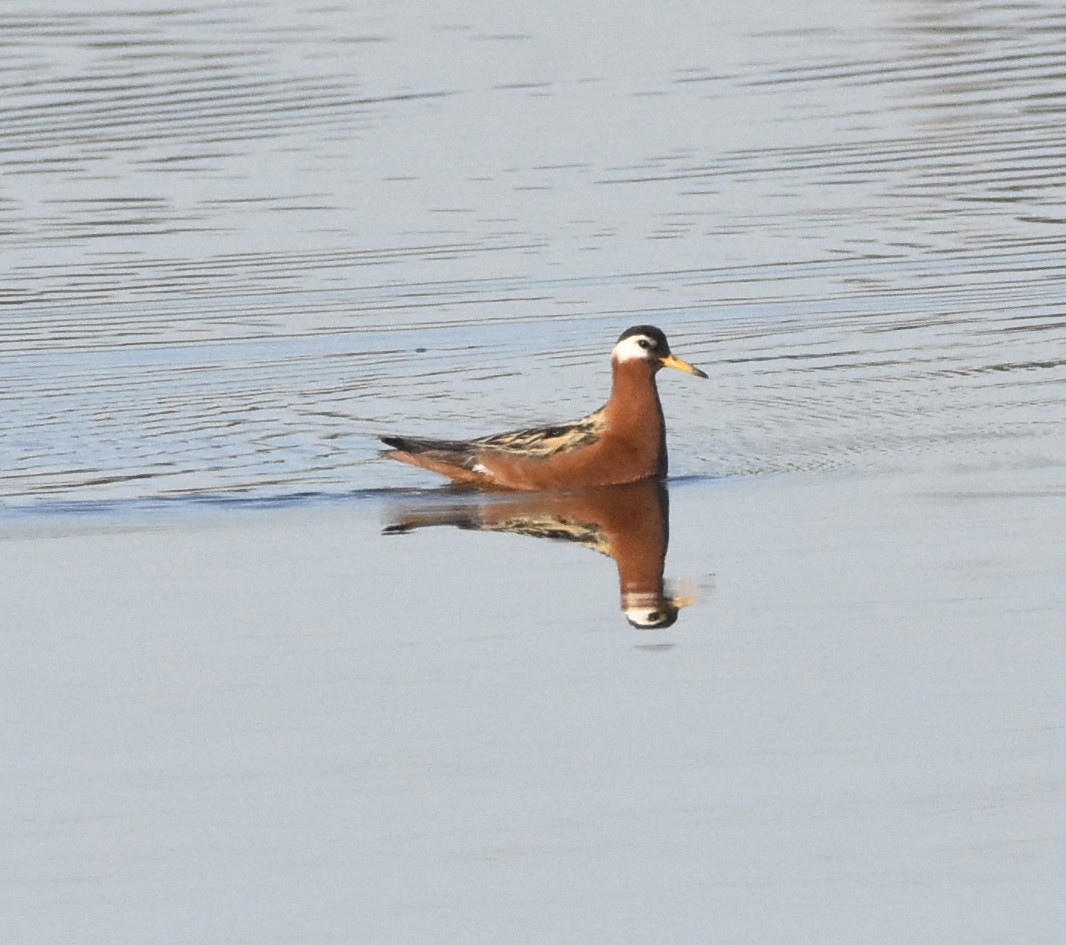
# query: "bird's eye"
x,y
644,343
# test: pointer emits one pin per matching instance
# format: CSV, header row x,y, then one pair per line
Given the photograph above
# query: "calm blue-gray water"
x,y
241,239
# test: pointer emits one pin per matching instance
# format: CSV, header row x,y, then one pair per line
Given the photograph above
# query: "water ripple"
x,y
242,240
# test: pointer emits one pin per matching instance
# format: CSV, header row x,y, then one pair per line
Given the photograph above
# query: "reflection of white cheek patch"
x,y
644,616
480,468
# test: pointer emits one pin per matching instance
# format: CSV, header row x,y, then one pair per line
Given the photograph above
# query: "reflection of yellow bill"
x,y
684,592
672,360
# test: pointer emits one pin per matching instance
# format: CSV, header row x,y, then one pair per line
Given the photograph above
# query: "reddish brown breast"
x,y
633,446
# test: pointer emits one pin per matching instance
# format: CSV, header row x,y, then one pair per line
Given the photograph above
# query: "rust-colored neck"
x,y
634,414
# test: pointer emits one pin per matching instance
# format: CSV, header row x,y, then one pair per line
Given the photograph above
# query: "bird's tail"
x,y
414,444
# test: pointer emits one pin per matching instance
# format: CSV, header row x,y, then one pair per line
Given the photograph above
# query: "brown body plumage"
x,y
624,441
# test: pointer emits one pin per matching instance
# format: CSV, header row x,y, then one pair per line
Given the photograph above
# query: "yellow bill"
x,y
671,360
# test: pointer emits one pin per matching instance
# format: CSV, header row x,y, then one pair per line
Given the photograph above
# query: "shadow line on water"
x,y
159,505
119,507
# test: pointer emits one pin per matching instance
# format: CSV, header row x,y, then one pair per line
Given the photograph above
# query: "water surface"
x,y
241,239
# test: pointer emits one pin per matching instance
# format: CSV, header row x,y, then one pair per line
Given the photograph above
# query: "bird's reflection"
x,y
630,523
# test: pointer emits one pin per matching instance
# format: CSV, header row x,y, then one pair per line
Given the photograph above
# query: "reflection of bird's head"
x,y
652,618
648,344
650,610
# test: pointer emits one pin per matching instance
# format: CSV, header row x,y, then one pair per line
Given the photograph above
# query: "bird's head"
x,y
646,343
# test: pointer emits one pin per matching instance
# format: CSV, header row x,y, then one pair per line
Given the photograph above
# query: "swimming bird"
x,y
624,441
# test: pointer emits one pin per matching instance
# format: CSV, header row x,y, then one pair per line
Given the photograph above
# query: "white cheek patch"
x,y
629,349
